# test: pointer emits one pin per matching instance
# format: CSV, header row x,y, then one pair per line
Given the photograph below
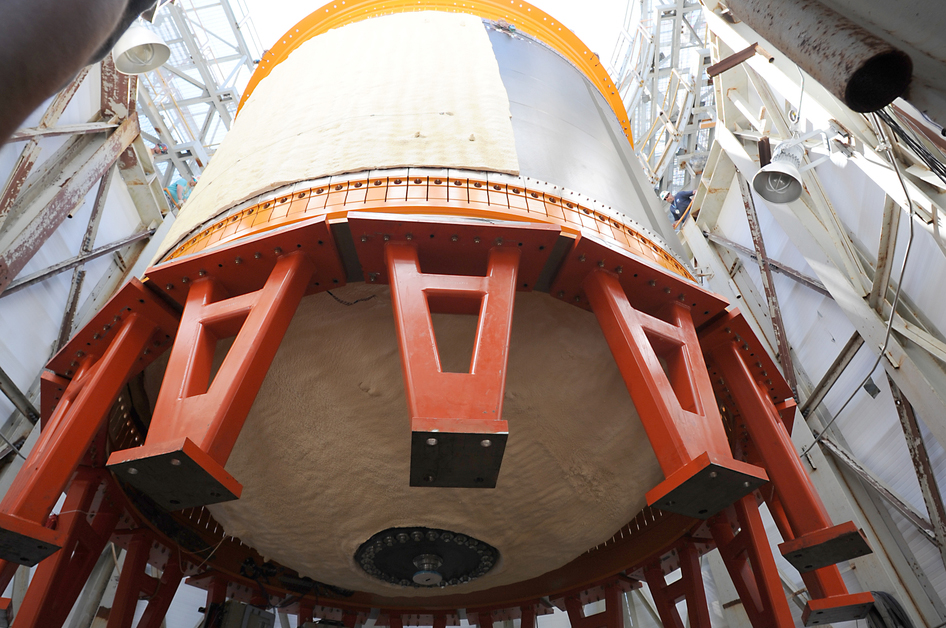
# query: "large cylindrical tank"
x,y
443,117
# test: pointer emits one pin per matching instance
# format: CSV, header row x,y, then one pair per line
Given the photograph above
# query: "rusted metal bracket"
x,y
11,190
738,57
779,267
18,247
921,463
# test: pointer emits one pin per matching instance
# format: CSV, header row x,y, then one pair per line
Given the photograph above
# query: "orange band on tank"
x,y
523,16
429,196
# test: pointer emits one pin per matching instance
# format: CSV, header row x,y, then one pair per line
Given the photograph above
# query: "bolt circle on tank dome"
x,y
425,558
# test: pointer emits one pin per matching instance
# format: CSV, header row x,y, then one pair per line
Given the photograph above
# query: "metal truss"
x,y
860,282
40,194
659,67
187,107
189,103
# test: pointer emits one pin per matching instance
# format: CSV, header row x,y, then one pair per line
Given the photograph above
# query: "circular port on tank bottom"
x,y
425,557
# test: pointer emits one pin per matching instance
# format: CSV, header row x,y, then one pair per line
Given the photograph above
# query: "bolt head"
x,y
132,471
175,462
486,442
431,441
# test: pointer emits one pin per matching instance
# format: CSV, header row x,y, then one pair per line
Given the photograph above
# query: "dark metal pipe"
x,y
15,395
861,69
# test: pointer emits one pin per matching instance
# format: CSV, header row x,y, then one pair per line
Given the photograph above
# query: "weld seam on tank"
x,y
865,72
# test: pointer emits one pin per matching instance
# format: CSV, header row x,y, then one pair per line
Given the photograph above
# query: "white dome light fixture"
x,y
139,50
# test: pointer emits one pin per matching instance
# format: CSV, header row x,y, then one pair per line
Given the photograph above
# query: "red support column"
x,y
484,619
528,616
750,564
132,581
801,506
216,601
395,620
160,602
457,432
64,441
305,611
677,407
59,579
689,587
196,423
611,617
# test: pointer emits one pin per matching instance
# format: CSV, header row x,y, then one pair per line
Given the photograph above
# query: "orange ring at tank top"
x,y
523,16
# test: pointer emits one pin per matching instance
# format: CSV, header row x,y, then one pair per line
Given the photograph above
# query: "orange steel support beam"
x,y
59,579
801,508
196,422
611,617
160,602
62,444
306,613
457,432
132,582
677,407
751,566
689,587
528,616
216,601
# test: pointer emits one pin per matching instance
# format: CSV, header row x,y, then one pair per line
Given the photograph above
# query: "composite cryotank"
x,y
444,127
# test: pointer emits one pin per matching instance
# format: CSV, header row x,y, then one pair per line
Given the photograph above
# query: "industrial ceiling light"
x,y
780,180
139,50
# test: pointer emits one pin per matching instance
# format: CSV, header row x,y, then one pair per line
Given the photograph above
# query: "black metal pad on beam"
x,y
457,460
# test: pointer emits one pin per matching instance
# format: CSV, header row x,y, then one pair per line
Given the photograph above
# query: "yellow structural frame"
x,y
525,17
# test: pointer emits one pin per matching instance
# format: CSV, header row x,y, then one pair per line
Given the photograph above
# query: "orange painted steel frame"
x,y
131,325
677,407
522,15
678,410
799,510
739,535
457,412
195,422
689,587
